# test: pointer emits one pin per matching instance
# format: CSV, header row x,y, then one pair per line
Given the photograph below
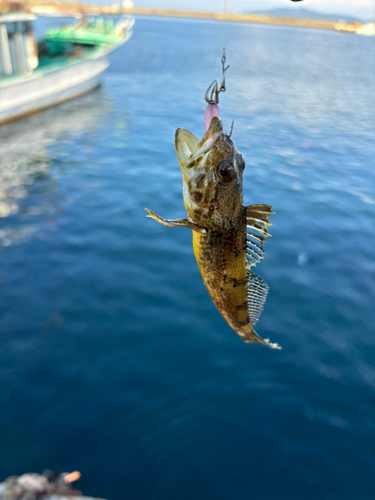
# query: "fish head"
x,y
212,170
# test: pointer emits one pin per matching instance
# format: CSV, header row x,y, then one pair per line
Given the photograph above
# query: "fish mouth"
x,y
190,150
196,158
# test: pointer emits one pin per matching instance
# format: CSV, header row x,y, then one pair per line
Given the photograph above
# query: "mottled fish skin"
x,y
211,201
221,259
212,172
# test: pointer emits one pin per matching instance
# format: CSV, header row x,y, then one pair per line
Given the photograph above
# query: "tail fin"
x,y
253,338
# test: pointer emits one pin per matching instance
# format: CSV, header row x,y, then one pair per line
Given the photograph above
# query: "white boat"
x,y
66,63
366,29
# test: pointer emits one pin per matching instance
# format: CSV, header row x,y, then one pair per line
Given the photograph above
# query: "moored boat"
x,y
367,29
66,63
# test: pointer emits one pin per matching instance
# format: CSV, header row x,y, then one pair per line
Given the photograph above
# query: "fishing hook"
x,y
224,70
212,93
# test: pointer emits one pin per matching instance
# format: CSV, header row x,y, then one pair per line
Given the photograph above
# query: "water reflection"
x,y
25,156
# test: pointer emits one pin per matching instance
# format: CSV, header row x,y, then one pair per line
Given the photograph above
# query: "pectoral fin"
x,y
176,222
257,224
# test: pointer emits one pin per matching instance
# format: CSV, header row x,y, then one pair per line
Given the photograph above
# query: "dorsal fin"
x,y
257,224
257,292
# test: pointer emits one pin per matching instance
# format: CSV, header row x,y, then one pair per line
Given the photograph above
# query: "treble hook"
x,y
212,93
224,70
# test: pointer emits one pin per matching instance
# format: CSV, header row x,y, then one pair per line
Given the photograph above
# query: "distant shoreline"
x,y
241,18
59,7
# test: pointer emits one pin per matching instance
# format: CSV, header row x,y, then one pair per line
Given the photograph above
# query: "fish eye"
x,y
223,169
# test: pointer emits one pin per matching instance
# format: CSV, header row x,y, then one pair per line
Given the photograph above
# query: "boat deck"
x,y
49,64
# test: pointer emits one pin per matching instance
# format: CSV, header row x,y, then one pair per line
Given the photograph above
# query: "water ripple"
x,y
114,361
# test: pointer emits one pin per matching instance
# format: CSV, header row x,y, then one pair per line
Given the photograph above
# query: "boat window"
x,y
28,27
11,29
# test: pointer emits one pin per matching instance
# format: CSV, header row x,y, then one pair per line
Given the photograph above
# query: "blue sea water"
x,y
113,359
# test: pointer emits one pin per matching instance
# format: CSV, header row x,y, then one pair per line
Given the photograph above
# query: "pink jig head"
x,y
212,98
211,111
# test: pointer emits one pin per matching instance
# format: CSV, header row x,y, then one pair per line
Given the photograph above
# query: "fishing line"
x,y
211,95
224,24
224,57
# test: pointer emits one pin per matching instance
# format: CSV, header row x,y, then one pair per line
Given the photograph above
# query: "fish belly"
x,y
222,263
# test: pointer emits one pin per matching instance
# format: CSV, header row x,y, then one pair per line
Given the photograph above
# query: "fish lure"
x,y
228,237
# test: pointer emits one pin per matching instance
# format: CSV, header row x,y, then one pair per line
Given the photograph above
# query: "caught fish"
x,y
228,238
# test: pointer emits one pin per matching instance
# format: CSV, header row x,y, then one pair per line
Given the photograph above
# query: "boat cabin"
x,y
18,51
